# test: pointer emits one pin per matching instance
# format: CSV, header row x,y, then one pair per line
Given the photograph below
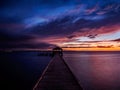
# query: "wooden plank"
x,y
57,76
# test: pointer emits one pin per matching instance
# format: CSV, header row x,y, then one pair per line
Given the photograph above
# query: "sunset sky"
x,y
71,24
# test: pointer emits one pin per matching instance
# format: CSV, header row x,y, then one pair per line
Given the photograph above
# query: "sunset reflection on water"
x,y
95,71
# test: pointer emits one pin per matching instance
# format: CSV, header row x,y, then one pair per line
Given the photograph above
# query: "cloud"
x,y
80,28
51,22
13,38
118,40
22,41
26,46
71,36
92,36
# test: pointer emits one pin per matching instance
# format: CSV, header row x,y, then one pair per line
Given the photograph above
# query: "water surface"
x,y
95,70
21,70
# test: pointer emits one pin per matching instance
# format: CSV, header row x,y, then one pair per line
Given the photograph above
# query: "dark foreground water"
x,y
21,70
95,70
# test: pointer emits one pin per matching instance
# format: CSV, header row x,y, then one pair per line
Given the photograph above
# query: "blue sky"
x,y
23,22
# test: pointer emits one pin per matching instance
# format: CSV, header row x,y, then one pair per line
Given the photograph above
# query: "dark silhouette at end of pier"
x,y
57,75
57,50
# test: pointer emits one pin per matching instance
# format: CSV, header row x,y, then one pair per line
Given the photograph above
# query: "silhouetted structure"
x,y
57,50
57,75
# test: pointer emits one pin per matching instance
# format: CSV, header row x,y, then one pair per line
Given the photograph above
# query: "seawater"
x,y
21,70
95,70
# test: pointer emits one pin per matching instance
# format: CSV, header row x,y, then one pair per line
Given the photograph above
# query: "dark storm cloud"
x,y
40,19
60,28
92,36
118,40
8,41
55,28
6,37
26,45
71,36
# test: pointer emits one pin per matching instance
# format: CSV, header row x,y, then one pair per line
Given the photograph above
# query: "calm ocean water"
x,y
95,70
21,70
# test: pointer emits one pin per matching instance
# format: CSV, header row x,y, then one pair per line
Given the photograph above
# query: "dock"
x,y
57,76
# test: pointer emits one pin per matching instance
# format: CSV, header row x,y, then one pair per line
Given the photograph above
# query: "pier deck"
x,y
57,76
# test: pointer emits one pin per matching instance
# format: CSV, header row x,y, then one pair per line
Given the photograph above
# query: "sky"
x,y
70,24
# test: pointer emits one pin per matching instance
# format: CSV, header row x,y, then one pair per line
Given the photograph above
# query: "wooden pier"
x,y
57,76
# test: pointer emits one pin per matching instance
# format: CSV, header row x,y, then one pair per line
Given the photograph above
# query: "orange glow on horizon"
x,y
92,49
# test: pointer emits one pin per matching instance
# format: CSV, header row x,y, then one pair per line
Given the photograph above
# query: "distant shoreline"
x,y
51,51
